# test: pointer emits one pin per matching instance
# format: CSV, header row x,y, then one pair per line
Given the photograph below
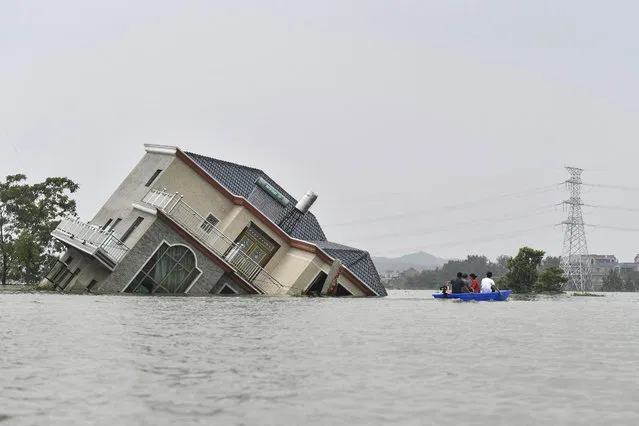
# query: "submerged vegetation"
x,y
588,294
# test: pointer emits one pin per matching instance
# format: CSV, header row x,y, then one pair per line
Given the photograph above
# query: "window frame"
x,y
263,234
138,220
205,222
106,225
153,177
226,286
148,259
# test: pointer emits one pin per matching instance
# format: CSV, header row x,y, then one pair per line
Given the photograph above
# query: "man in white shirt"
x,y
487,283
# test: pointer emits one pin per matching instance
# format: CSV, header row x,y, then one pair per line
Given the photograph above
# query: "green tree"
x,y
522,270
550,261
550,280
28,215
500,268
612,281
12,197
630,280
433,279
27,255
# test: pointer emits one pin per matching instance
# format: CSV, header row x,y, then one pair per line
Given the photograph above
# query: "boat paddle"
x,y
495,285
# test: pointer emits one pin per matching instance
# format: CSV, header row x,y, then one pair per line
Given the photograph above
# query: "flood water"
x,y
403,359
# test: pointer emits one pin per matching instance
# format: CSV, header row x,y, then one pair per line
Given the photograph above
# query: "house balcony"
x,y
92,240
172,206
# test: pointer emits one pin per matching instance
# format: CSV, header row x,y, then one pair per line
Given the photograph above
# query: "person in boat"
x,y
466,280
487,284
460,286
474,284
445,288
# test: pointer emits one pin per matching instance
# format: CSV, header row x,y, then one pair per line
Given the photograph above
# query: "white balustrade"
x,y
159,199
94,237
174,207
221,245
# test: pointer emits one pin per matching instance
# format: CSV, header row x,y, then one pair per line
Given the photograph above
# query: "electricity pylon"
x,y
574,260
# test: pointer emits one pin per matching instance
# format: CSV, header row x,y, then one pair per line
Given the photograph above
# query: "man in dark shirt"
x,y
460,286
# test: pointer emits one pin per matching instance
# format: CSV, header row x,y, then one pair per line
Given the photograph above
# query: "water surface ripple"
x,y
404,359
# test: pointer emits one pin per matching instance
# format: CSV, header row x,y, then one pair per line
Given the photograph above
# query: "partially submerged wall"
x,y
157,233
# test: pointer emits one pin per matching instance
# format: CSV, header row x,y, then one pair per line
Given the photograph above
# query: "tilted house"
x,y
183,223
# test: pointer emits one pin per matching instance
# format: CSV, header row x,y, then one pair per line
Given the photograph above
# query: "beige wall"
x,y
90,269
295,269
197,192
348,285
205,199
132,190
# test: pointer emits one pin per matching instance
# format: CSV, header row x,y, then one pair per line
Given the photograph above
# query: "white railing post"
x,y
94,236
214,240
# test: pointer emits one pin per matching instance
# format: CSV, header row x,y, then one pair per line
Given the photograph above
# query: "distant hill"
x,y
420,260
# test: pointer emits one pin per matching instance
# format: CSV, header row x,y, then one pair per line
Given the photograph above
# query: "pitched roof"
x,y
240,181
358,261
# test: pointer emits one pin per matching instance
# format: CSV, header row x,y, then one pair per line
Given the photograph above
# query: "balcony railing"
x,y
213,239
159,199
92,237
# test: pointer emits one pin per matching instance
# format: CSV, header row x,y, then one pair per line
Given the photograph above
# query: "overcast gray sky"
x,y
386,109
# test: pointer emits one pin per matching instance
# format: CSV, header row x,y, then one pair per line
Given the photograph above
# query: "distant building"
x,y
629,265
601,265
411,272
184,223
386,276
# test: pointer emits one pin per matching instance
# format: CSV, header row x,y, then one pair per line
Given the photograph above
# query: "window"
x,y
106,225
227,290
341,291
69,260
118,220
209,223
155,175
129,231
171,270
91,285
73,275
315,289
58,272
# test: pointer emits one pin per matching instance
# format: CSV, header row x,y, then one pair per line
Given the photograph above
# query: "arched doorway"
x,y
171,270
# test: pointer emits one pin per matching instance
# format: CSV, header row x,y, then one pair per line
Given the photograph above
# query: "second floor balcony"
x,y
91,239
174,207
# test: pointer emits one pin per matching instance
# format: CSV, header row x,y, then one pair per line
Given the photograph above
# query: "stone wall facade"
x,y
139,254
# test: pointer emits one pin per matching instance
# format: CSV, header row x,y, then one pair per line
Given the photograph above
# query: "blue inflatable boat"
x,y
495,295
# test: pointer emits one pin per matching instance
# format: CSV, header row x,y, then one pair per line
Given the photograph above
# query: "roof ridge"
x,y
259,171
339,246
235,178
226,162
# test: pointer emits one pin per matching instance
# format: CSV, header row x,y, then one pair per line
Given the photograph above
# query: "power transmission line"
x,y
620,187
615,228
487,238
439,229
448,207
598,206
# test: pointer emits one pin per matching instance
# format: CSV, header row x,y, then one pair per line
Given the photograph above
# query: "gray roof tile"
x,y
358,261
240,181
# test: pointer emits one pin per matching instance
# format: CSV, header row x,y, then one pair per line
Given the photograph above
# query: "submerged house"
x,y
184,223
